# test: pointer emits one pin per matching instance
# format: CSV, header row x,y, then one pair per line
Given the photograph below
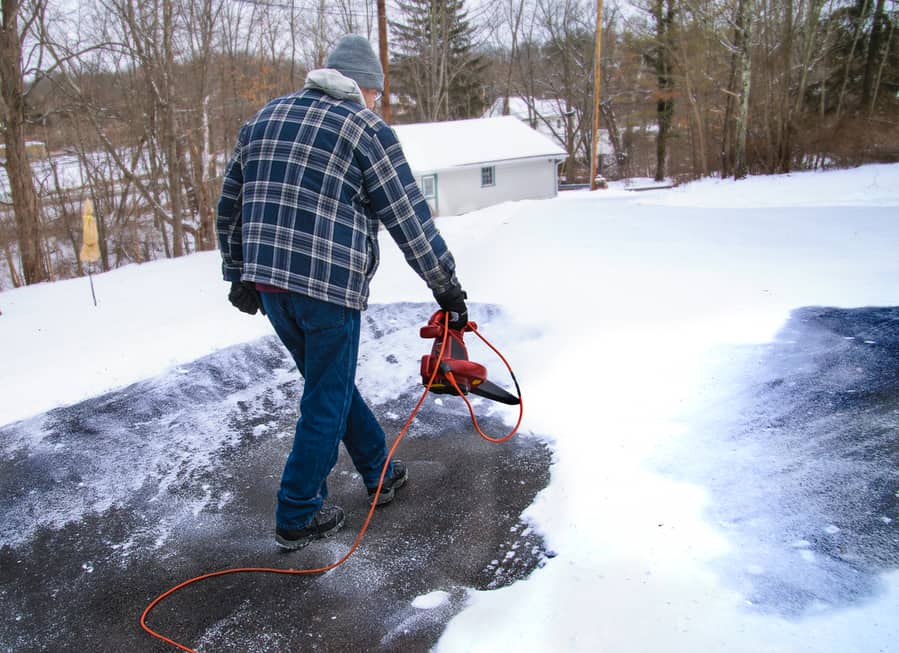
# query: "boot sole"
x,y
295,545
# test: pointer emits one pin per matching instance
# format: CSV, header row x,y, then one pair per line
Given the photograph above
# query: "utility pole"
x,y
594,154
382,43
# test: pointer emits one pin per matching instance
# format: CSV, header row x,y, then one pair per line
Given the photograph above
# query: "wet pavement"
x,y
799,448
107,503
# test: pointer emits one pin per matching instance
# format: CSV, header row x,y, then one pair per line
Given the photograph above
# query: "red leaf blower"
x,y
468,375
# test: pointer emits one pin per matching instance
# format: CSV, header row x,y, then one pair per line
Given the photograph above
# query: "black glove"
x,y
453,302
245,297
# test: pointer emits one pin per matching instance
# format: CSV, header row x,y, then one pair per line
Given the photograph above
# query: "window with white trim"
x,y
488,176
429,186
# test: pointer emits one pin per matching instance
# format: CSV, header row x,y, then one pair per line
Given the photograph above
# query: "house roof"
x,y
527,108
436,146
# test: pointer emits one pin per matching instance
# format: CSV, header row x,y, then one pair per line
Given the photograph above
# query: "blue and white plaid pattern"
x,y
310,181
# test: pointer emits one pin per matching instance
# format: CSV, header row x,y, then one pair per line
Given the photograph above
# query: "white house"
x,y
546,115
550,116
464,165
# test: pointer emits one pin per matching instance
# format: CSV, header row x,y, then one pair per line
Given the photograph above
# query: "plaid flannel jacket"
x,y
309,182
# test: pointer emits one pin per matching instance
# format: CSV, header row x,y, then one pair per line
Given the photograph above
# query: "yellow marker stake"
x,y
90,248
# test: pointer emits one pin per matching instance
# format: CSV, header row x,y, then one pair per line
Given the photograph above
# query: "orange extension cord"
x,y
374,503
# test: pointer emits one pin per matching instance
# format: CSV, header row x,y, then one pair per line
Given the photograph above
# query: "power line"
x,y
294,6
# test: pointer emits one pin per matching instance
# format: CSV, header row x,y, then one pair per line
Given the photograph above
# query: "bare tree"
x,y
849,60
355,17
317,25
810,37
202,16
26,204
684,46
662,58
745,14
874,52
568,32
142,36
883,63
513,15
733,149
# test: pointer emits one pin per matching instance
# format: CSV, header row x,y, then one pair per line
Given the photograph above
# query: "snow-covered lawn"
x,y
615,304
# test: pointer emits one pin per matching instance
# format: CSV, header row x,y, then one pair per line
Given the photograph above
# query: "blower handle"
x,y
439,321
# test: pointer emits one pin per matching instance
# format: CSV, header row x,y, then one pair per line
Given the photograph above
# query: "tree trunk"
x,y
809,40
785,132
664,16
744,24
69,217
26,204
171,128
608,118
883,61
13,272
199,165
700,161
728,131
848,67
871,59
514,24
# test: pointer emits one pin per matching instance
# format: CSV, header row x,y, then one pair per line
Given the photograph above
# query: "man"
x,y
312,177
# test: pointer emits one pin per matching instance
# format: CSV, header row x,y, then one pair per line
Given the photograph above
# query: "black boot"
x,y
396,480
326,522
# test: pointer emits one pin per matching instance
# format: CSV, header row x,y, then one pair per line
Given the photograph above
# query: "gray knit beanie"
x,y
354,57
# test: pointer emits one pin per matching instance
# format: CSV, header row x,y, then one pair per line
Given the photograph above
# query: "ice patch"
x,y
431,600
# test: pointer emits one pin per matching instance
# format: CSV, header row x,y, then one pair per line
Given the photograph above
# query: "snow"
x,y
430,600
872,185
522,109
612,302
66,170
430,147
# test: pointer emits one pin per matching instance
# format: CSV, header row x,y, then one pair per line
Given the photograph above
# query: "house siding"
x,y
460,189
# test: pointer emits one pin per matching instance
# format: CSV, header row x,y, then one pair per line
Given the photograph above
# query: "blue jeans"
x,y
323,339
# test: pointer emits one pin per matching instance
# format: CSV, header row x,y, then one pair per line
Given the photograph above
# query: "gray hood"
x,y
334,84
